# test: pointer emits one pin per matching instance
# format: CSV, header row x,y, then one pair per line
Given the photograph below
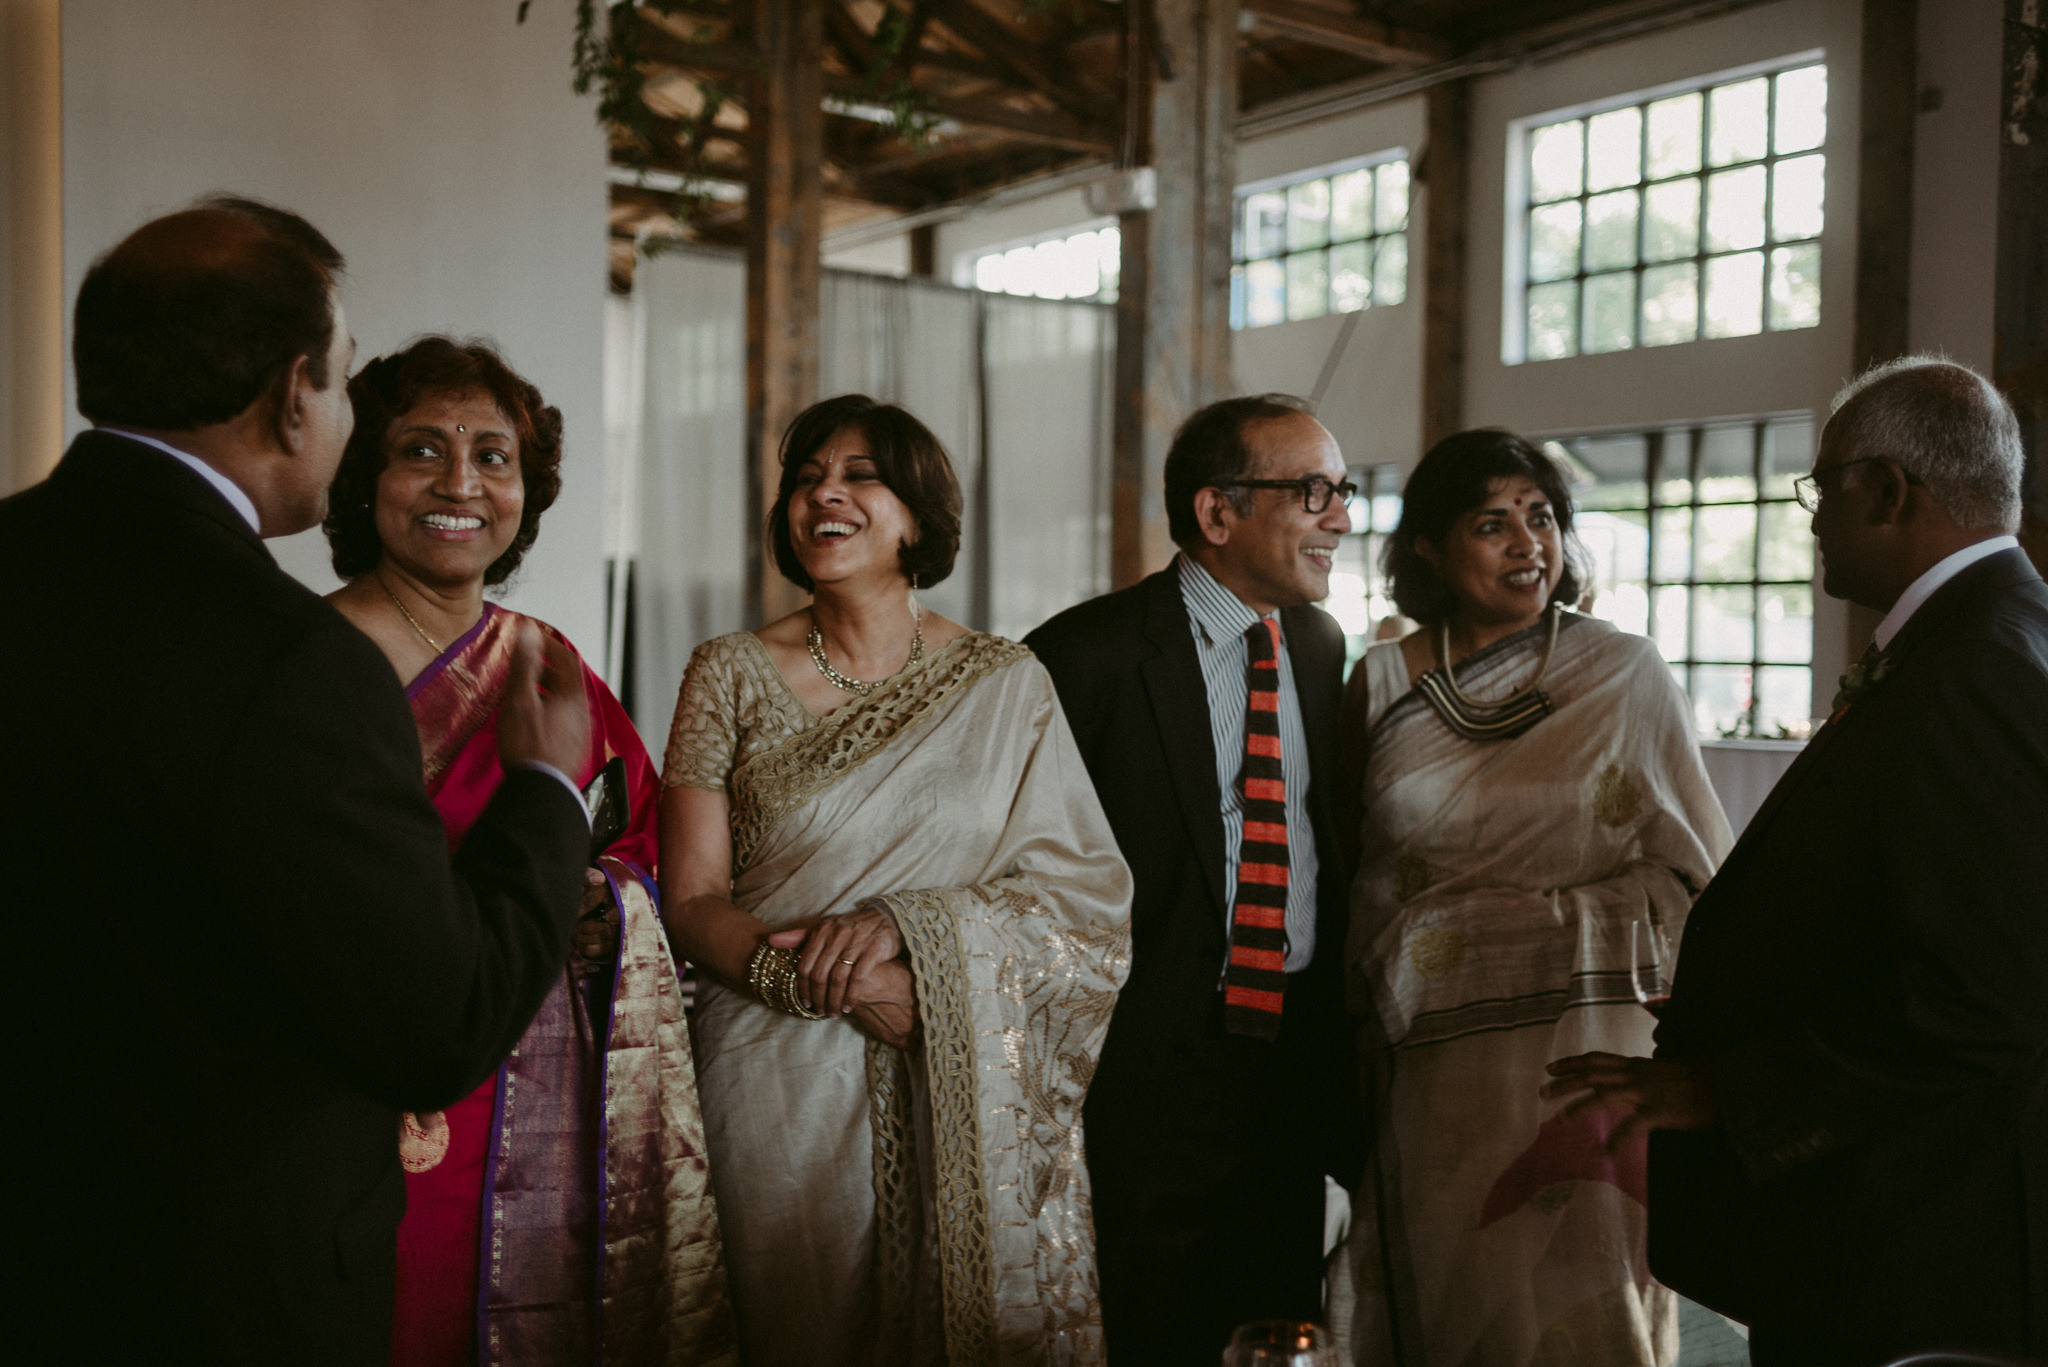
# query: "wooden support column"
x,y
1443,172
785,219
32,290
924,251
1884,182
2019,363
1173,302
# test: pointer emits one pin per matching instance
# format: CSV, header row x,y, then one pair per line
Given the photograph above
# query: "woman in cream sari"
x,y
1531,787
881,844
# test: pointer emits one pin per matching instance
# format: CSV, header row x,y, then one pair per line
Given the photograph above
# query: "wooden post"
x,y
1173,297
924,251
785,154
1884,188
2019,363
32,290
1445,157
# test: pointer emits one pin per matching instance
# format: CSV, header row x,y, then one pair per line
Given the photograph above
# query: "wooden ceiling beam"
x,y
1026,64
1368,38
1050,127
727,58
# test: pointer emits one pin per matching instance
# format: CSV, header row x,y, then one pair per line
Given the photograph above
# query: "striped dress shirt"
x,y
1219,621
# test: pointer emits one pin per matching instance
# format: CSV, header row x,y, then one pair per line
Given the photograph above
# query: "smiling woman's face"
x,y
843,520
451,495
1501,560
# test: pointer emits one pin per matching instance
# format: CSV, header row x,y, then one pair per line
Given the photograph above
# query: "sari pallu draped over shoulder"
x,y
1490,935
598,1240
931,1204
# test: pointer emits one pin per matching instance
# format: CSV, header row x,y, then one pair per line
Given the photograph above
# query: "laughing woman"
x,y
882,844
559,1212
1531,787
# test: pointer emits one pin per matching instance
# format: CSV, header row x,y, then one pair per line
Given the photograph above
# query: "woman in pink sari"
x,y
560,1212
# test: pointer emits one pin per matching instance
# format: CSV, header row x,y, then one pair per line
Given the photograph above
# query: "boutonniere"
x,y
1866,674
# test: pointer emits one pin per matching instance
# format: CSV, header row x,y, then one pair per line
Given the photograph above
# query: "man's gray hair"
x,y
1948,426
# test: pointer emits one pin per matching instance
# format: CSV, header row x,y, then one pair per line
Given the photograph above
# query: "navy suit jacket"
x,y
1866,983
240,946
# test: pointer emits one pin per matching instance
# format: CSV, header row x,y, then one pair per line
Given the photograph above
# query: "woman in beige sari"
x,y
881,844
1531,787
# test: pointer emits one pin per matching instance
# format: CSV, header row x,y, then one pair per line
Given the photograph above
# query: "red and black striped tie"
x,y
1257,976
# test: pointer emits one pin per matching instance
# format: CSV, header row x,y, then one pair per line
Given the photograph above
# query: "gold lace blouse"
x,y
733,705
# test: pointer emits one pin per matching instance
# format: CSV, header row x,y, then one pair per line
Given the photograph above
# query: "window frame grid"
x,y
1373,238
1522,203
1654,464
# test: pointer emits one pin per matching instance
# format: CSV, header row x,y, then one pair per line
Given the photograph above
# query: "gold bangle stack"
x,y
771,972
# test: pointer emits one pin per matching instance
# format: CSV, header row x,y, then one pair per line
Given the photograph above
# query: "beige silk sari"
x,y
928,1205
1490,935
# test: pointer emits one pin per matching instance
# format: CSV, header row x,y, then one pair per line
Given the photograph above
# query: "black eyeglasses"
x,y
1316,491
1807,487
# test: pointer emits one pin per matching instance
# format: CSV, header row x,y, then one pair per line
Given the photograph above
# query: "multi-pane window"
x,y
1329,241
1695,214
1698,542
1065,265
1358,590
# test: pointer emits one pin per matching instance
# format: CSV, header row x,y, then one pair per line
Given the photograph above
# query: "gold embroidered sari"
x,y
1490,935
929,1205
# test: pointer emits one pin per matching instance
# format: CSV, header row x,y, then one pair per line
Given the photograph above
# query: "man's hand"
x,y
882,1003
543,718
1644,1094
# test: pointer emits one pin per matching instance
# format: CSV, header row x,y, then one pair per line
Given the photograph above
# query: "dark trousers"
x,y
1209,1212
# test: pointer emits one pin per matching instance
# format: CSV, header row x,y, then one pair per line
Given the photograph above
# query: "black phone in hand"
x,y
604,797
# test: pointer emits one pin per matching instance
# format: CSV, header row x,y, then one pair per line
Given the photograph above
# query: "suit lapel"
x,y
1180,707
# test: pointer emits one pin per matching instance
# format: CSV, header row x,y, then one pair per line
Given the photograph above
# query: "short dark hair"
x,y
910,461
1454,477
1209,450
390,387
194,316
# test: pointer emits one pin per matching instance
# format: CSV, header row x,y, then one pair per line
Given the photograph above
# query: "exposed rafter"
x,y
1367,38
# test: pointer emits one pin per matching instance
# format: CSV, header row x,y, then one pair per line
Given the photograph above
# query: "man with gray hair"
x,y
1849,1097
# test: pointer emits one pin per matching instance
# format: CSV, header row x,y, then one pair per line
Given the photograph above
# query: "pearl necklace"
x,y
816,641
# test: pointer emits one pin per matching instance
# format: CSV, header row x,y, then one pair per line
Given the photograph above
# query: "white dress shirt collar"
x,y
229,490
1923,588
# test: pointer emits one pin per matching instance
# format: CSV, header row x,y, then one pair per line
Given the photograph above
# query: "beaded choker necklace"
x,y
816,641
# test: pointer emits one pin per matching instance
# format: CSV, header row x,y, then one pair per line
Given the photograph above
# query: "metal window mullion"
x,y
1756,574
1692,552
1653,465
1770,165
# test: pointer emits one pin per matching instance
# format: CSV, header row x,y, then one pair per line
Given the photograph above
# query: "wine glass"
x,y
1281,1343
1650,963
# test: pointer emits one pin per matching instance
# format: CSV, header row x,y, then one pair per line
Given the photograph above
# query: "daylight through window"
x,y
1066,265
1692,215
1698,543
1329,242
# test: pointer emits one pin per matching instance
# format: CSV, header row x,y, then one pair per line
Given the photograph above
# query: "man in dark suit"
x,y
243,945
1223,1094
1852,1150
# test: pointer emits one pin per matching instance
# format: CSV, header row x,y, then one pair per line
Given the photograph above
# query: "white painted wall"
x,y
436,142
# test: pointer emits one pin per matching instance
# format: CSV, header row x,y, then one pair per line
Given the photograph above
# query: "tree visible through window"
x,y
1696,214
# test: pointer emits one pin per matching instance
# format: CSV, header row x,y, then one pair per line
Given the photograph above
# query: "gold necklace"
x,y
432,644
1443,659
816,641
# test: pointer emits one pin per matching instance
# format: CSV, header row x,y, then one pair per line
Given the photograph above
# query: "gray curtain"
x,y
1017,390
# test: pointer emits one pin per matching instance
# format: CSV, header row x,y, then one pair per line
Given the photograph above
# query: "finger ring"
x,y
848,962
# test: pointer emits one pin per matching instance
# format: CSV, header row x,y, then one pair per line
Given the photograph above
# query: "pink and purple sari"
x,y
562,1212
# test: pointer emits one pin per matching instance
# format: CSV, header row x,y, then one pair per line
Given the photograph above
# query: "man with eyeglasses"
x,y
1849,1098
1204,699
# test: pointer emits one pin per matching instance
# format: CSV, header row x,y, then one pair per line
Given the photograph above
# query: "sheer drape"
x,y
1016,389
